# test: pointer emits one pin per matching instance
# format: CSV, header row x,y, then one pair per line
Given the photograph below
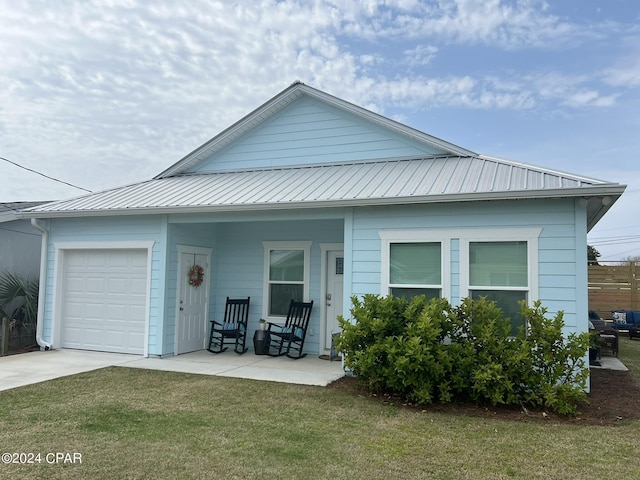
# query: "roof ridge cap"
x,y
302,166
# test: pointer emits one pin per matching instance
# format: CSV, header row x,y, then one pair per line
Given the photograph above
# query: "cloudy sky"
x,y
105,93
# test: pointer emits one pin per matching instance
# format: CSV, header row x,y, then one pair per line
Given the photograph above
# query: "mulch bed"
x,y
614,398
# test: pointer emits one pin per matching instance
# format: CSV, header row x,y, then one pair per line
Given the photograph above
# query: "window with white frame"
x,y
504,271
412,264
415,269
286,276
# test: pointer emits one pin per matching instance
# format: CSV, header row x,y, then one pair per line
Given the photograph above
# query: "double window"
x,y
500,264
286,276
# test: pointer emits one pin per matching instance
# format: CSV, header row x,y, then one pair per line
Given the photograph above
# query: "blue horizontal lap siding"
x,y
110,229
238,261
558,288
308,132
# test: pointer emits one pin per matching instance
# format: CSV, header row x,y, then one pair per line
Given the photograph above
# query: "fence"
x,y
16,336
614,286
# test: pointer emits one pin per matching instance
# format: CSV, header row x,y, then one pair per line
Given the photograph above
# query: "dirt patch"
x,y
614,398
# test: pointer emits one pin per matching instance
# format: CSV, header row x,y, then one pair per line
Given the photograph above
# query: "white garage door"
x,y
104,295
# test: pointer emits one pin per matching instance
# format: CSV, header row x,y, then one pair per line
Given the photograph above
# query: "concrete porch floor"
x,y
27,368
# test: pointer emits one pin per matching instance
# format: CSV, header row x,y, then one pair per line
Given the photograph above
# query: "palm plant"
x,y
19,298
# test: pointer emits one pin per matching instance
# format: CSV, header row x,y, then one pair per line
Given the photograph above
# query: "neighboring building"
x,y
20,242
311,197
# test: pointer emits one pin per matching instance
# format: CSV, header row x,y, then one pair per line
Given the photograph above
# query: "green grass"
x,y
130,423
630,354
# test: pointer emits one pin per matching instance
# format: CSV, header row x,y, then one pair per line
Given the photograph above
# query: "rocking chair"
x,y
290,337
233,330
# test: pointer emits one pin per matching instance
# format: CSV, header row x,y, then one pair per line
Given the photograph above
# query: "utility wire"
x,y
18,231
615,241
43,175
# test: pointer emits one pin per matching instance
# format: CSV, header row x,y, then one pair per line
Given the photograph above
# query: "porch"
x,y
27,368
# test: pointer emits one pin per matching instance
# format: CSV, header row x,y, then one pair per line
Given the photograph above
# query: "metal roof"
x,y
10,210
382,182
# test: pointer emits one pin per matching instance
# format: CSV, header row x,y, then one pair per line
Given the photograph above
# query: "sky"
x,y
100,94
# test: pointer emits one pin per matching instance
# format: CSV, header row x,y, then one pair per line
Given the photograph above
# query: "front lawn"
x,y
130,423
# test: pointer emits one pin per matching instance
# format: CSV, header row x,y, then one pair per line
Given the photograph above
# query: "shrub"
x,y
19,298
429,351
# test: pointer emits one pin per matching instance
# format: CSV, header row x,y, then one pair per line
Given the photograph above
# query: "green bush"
x,y
433,352
19,298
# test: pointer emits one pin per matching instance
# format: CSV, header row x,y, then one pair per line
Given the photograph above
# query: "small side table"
x,y
261,341
610,341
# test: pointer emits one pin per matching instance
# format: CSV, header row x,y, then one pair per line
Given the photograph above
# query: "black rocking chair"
x,y
289,337
233,330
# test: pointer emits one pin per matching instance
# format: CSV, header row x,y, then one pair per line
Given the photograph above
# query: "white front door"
x,y
191,325
335,282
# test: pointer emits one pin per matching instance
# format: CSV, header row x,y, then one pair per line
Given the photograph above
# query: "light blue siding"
x,y
240,265
455,271
561,285
111,229
309,131
237,268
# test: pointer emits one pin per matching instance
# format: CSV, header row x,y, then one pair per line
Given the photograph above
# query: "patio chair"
x,y
233,328
288,339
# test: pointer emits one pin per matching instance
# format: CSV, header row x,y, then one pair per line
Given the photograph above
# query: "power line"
x,y
614,240
43,175
21,232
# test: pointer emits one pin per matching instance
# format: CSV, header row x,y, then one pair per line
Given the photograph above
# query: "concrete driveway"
x,y
27,368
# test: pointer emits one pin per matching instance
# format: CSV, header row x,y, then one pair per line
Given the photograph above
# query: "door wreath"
x,y
196,276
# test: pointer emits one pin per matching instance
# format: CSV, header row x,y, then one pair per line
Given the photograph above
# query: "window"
x,y
415,269
286,276
501,272
413,263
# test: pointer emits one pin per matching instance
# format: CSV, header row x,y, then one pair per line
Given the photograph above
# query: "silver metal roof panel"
x,y
412,180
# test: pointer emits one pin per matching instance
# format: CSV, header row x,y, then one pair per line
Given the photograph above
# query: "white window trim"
x,y
416,236
529,235
305,246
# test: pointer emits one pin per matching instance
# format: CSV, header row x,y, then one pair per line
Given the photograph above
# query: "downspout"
x,y
43,282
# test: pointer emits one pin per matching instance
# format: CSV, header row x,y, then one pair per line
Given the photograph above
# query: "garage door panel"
x,y
96,259
104,300
94,285
117,311
75,284
138,286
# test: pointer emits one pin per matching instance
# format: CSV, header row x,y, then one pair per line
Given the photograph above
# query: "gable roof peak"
x,y
286,97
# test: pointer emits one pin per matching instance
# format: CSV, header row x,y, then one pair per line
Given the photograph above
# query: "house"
x,y
19,241
314,198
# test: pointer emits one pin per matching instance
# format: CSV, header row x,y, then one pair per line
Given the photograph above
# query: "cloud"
x,y
129,86
576,91
626,72
508,24
420,55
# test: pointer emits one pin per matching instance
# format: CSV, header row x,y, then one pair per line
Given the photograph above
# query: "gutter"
x,y
613,190
43,282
